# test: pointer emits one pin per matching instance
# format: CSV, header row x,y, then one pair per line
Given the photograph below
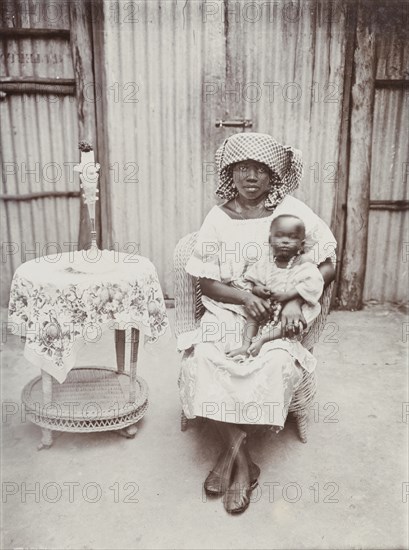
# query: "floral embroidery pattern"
x,y
55,317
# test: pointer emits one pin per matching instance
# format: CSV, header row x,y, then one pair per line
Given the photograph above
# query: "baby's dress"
x,y
305,278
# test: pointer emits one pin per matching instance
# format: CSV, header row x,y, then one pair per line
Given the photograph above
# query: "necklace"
x,y
258,209
290,262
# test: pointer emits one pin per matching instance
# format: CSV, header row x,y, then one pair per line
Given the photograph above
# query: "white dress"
x,y
258,390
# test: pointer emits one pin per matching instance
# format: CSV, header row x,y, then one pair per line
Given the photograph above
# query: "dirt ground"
x,y
346,488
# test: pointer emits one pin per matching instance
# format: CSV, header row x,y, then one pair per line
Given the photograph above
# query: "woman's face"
x,y
251,178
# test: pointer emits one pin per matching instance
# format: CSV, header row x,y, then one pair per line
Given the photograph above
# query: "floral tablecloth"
x,y
66,300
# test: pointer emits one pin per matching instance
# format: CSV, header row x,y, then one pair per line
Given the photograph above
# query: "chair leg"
x,y
183,422
301,417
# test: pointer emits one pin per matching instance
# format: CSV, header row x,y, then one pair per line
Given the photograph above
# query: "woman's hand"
x,y
292,319
256,307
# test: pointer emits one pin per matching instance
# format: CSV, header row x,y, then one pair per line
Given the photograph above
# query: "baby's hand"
x,y
262,291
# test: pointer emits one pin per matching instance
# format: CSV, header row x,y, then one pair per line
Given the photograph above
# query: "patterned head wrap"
x,y
284,162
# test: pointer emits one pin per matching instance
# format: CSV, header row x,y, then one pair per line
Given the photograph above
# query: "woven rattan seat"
x,y
189,310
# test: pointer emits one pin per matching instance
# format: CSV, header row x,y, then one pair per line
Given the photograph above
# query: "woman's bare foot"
x,y
235,353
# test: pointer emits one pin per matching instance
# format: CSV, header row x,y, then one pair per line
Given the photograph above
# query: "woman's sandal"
x,y
215,487
236,499
216,484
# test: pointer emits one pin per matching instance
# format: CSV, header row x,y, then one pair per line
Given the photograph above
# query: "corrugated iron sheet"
x,y
174,67
388,238
38,141
296,59
189,68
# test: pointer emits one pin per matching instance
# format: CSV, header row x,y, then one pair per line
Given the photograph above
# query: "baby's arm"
x,y
262,291
308,284
282,297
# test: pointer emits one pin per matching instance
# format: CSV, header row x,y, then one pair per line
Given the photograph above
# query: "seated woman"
x,y
256,176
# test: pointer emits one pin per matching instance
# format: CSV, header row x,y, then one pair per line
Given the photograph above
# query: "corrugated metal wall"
x,y
153,123
177,67
38,137
171,69
296,57
388,232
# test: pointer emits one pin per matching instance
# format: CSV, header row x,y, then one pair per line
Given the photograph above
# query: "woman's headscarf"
x,y
284,162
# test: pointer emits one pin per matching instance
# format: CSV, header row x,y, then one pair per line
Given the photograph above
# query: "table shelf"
x,y
92,399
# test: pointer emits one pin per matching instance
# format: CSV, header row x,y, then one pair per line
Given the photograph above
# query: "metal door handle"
x,y
243,123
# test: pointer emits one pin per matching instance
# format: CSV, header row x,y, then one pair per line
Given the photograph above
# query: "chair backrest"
x,y
186,287
188,304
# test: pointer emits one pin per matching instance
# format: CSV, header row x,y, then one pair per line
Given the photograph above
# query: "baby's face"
x,y
287,237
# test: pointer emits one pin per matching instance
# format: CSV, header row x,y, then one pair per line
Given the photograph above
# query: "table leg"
x,y
47,384
131,430
120,350
134,358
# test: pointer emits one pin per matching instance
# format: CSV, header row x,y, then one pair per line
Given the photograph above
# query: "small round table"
x,y
61,302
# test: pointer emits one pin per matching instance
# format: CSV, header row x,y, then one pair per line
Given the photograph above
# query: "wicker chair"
x,y
189,309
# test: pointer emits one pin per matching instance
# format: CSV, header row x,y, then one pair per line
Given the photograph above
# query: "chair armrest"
x,y
317,326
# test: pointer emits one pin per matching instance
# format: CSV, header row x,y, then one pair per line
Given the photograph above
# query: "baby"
x,y
285,275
